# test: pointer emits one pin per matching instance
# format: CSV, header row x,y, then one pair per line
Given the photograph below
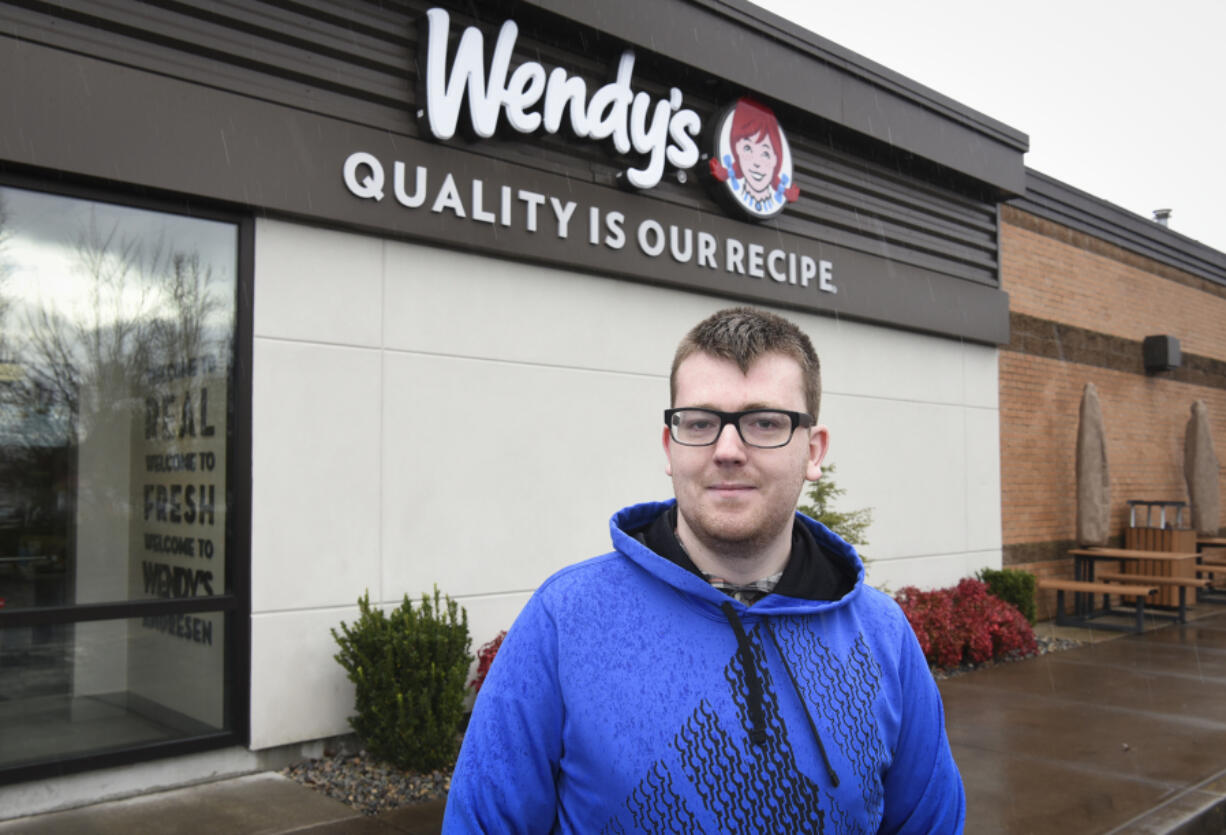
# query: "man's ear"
x,y
819,442
668,452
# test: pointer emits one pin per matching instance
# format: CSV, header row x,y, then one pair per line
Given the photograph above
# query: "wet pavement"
x,y
1126,735
1122,735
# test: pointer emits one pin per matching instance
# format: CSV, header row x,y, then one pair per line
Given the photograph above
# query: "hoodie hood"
x,y
627,521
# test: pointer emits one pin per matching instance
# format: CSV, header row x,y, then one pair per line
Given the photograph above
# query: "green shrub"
x,y
408,669
1014,587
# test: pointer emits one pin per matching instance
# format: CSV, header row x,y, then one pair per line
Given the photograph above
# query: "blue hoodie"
x,y
632,696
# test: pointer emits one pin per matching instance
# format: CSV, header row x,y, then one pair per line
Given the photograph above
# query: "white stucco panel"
x,y
480,432
314,474
317,285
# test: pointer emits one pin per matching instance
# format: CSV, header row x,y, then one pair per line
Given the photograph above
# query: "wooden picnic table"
x,y
1084,558
1145,563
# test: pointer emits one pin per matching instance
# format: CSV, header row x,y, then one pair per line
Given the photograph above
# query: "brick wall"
x,y
1080,308
1144,418
1080,281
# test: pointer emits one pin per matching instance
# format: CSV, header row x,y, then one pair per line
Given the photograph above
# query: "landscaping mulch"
x,y
366,784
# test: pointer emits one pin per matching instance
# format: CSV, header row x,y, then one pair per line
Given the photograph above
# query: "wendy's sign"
x,y
750,157
752,160
530,99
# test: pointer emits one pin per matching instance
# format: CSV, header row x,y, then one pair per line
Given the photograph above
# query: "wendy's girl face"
x,y
751,162
757,157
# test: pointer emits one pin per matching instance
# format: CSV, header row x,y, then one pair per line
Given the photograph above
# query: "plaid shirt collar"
x,y
748,593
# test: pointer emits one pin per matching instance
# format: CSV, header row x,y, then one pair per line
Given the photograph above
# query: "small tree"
x,y
408,670
850,525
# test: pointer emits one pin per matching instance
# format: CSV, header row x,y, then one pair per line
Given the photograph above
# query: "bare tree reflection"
x,y
8,504
95,351
192,306
82,365
145,307
7,368
33,463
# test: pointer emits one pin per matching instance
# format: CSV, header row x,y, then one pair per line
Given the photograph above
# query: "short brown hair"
x,y
742,335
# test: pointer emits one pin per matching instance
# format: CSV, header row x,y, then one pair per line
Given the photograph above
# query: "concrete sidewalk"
x,y
258,804
1121,736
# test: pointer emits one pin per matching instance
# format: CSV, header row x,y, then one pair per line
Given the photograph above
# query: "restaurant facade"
x,y
1089,285
305,301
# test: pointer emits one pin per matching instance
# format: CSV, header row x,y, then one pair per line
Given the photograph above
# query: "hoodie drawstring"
x,y
757,716
757,713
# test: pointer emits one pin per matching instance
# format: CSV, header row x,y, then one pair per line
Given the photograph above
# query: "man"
x,y
724,669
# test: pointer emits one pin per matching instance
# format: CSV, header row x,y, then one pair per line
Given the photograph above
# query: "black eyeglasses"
x,y
763,428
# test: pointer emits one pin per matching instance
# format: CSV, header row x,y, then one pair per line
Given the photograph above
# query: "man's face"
x,y
731,496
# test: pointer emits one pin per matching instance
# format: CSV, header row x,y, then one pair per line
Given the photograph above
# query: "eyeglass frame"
x,y
798,419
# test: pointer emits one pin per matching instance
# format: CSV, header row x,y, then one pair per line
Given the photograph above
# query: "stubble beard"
x,y
740,542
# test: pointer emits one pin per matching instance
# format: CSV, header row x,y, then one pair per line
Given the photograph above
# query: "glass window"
x,y
116,372
100,686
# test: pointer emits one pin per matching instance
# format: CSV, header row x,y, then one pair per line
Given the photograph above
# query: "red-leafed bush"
x,y
966,624
485,657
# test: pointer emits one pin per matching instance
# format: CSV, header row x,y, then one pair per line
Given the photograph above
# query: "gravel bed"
x,y
368,785
371,786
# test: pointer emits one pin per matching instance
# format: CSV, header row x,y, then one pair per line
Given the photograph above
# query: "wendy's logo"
x,y
751,160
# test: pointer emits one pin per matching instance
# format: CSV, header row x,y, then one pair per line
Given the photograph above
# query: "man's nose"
x,y
729,446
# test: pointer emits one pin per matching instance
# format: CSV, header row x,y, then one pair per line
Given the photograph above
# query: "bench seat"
x,y
1212,562
1184,583
1153,579
1131,589
1095,587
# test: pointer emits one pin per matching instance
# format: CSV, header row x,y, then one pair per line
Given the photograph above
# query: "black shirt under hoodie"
x,y
810,573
